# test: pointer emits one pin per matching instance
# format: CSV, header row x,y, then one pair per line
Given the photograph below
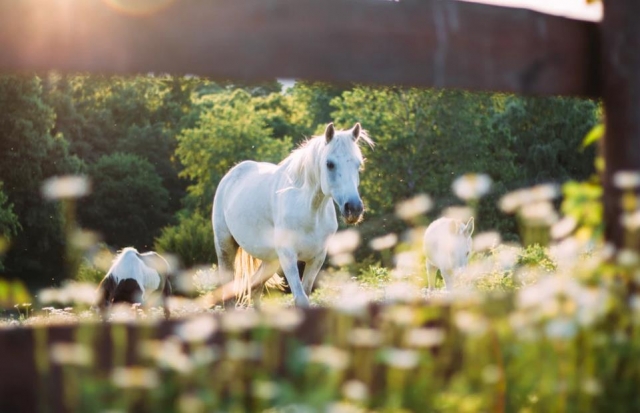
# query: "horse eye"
x,y
330,165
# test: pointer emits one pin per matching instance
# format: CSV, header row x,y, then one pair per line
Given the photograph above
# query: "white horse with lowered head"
x,y
276,215
447,244
133,276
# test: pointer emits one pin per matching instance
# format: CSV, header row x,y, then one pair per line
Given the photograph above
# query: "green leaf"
x,y
594,135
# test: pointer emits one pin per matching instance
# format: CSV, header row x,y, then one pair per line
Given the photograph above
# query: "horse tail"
x,y
245,267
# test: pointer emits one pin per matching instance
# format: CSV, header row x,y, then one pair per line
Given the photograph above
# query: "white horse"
x,y
133,276
447,244
276,215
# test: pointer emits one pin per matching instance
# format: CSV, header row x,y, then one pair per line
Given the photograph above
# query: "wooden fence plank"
x,y
621,95
432,43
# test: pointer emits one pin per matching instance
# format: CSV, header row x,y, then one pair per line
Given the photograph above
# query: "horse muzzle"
x,y
352,211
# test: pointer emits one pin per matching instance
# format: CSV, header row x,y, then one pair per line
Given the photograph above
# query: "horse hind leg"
x,y
226,251
431,276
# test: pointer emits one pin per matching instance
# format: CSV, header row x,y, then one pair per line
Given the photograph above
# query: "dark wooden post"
x,y
620,48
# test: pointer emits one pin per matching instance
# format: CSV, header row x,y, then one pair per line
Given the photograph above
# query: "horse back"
x,y
442,240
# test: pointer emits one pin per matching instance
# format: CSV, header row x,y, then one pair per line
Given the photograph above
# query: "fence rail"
x,y
430,43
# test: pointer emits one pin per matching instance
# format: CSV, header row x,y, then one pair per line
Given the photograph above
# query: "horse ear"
x,y
329,132
356,131
468,230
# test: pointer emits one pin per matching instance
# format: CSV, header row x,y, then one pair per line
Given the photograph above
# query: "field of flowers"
x,y
535,329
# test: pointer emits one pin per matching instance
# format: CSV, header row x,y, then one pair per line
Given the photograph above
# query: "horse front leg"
x,y
289,263
311,270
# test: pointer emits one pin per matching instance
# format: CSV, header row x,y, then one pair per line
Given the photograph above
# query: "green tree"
x,y
128,205
427,138
229,130
29,153
545,136
9,224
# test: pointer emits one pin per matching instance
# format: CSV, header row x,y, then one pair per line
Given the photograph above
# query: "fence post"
x,y
620,51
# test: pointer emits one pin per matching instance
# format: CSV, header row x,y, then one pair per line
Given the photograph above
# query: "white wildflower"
x,y
425,337
71,354
355,390
330,356
414,207
401,358
626,180
471,186
343,242
384,242
135,377
64,187
197,329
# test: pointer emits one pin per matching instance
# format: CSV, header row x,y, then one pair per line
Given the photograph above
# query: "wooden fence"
x,y
426,43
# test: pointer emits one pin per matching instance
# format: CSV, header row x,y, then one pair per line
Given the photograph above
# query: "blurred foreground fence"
x,y
228,360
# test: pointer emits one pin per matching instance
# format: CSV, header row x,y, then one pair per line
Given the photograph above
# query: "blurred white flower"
x,y
561,328
64,187
401,358
626,180
365,337
342,259
71,354
631,221
491,374
512,201
168,354
398,292
190,403
355,390
384,242
591,385
239,320
330,356
627,258
471,186
541,213
265,389
135,377
425,337
241,350
470,323
283,319
407,263
457,212
343,242
418,205
564,227
197,329
486,241
352,299
70,293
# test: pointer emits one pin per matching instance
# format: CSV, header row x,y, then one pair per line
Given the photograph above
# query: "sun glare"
x,y
139,7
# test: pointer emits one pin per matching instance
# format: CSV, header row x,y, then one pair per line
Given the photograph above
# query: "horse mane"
x,y
303,164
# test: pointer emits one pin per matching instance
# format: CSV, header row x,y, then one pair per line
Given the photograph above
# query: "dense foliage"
x,y
156,147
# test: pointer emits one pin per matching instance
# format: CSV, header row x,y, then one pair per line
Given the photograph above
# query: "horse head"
x,y
340,166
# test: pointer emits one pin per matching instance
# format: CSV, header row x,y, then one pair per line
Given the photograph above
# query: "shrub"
x,y
191,240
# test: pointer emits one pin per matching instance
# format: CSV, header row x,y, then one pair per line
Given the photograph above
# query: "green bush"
x,y
191,240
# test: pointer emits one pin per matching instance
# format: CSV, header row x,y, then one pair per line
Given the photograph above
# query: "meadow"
x,y
525,329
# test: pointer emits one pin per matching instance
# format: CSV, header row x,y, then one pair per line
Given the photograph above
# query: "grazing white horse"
x,y
447,244
277,215
133,276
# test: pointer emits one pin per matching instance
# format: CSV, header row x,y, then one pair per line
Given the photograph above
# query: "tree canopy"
x,y
155,148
